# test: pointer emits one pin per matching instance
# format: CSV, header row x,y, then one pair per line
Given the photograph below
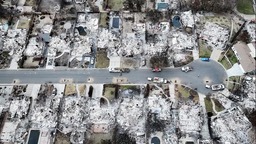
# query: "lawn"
x,y
125,87
185,93
208,105
225,63
30,2
110,91
233,87
245,6
23,24
102,61
219,19
115,5
82,89
232,57
103,20
70,89
61,138
218,106
203,50
234,79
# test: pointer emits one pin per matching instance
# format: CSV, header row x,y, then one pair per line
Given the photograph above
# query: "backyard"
x,y
103,20
245,6
218,19
115,5
102,61
61,138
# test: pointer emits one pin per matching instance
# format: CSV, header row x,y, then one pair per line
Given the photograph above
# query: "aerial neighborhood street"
x,y
203,73
127,72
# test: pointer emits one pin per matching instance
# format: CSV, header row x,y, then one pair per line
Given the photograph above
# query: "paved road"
x,y
207,71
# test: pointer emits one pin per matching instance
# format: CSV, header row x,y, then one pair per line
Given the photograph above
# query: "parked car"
x,y
217,87
125,70
92,60
143,62
149,79
205,59
186,68
207,86
156,69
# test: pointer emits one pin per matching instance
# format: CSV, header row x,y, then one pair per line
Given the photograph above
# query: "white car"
x,y
150,79
207,86
92,60
217,87
186,68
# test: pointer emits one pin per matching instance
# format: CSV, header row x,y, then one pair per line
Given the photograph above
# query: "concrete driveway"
x,y
235,71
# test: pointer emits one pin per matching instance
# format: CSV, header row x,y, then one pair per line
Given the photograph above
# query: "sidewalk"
x,y
195,54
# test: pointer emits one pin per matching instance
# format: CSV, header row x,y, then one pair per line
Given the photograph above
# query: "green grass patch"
x,y
103,20
232,57
110,91
125,87
115,5
219,19
102,61
233,87
23,24
225,63
30,2
245,6
218,106
234,79
185,93
135,88
204,51
208,105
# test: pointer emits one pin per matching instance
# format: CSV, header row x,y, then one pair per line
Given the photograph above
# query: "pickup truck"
x,y
217,87
159,80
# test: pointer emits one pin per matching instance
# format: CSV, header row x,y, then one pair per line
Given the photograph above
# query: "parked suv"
x,y
205,59
186,68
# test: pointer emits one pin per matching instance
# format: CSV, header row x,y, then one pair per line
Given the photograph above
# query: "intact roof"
x,y
161,6
252,47
246,60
